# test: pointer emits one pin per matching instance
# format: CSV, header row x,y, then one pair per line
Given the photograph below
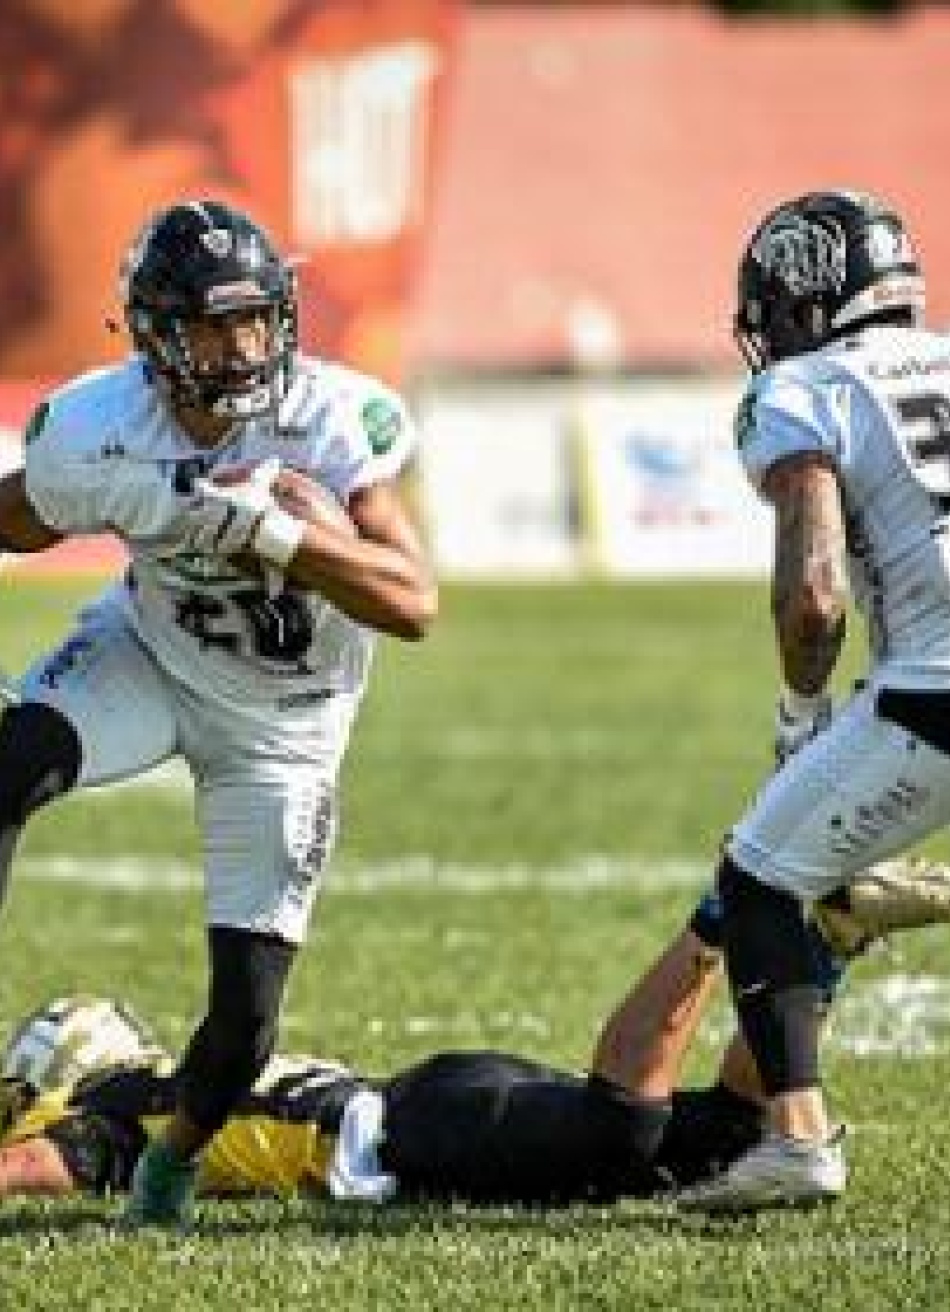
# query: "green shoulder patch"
x,y
382,423
745,419
37,422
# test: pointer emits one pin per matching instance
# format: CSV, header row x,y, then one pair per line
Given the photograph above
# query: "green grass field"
x,y
531,802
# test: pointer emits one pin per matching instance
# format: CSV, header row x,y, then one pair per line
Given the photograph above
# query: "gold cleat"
x,y
894,895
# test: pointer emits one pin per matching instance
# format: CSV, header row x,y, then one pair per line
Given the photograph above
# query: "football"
x,y
299,495
305,498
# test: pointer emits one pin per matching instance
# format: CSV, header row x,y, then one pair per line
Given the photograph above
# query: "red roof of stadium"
x,y
602,165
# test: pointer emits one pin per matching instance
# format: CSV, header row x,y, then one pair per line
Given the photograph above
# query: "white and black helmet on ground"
x,y
200,261
68,1038
821,267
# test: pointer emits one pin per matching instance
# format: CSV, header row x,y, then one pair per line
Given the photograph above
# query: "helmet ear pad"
x,y
799,326
790,327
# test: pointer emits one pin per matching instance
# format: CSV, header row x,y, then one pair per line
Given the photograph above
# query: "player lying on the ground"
x,y
85,1086
478,1126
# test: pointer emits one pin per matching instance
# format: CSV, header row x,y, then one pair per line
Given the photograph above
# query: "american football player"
x,y
82,1093
845,431
241,635
84,1086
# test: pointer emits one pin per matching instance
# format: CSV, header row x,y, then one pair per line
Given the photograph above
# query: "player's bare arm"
x,y
21,529
809,586
380,577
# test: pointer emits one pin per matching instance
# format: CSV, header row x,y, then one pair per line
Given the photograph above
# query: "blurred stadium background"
x,y
526,216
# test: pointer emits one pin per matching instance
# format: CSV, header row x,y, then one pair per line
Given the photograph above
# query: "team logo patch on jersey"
x,y
382,424
37,423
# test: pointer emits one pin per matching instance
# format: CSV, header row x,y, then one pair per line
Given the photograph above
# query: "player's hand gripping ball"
x,y
297,494
305,498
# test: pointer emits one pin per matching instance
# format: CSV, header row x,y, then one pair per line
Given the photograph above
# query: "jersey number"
x,y
925,426
281,628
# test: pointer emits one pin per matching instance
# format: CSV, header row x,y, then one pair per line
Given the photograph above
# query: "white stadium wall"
x,y
498,483
625,478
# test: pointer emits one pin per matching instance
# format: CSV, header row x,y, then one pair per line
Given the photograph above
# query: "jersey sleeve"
x,y
372,440
785,413
78,483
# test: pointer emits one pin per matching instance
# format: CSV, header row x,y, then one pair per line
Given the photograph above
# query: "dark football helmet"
x,y
201,260
820,267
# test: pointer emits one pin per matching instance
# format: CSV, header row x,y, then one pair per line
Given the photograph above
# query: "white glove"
x,y
220,519
798,718
223,519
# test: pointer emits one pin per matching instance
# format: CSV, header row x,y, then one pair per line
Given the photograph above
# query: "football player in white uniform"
x,y
241,634
845,429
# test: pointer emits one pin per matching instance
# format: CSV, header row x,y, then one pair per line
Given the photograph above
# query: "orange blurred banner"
x,y
322,119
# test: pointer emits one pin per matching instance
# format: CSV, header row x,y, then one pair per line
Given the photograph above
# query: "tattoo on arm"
x,y
809,585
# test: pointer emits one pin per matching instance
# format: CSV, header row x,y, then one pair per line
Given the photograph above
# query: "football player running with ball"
x,y
845,430
241,635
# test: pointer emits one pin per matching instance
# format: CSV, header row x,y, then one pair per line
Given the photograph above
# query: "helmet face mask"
x,y
820,267
228,357
202,265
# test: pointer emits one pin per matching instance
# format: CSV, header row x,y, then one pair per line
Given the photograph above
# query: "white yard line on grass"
x,y
891,1015
419,872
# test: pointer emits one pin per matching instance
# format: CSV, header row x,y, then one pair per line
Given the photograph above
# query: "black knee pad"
x,y
773,977
40,758
764,931
234,1041
706,920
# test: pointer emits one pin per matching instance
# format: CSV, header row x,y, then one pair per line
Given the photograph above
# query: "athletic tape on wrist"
x,y
277,537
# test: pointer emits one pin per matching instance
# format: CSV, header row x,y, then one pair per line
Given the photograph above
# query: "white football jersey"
x,y
878,406
103,452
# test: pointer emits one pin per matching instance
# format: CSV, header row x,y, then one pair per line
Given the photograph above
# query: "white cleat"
x,y
778,1172
894,895
355,1171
